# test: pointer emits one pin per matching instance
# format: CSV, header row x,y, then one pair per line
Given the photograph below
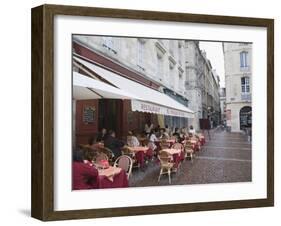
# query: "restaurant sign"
x,y
142,106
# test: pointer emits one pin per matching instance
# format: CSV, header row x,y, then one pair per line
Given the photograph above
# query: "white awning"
x,y
147,99
85,88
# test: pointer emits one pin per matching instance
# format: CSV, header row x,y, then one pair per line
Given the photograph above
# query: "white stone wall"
x,y
126,52
233,74
175,64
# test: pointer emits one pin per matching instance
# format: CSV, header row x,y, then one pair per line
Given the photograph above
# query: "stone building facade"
x,y
202,84
178,67
222,105
238,84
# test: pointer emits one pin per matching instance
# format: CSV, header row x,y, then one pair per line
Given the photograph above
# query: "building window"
x,y
245,84
181,82
171,47
244,62
110,44
245,89
172,79
140,55
180,55
160,67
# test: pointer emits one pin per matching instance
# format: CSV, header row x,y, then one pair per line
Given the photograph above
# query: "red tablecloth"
x,y
202,140
195,145
119,180
141,153
138,148
170,141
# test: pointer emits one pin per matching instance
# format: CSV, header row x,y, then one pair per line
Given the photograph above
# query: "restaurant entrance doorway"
x,y
110,115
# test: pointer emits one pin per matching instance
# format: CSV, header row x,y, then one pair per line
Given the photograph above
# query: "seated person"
x,y
163,134
152,138
89,156
177,134
114,144
167,130
102,135
132,140
191,131
183,133
148,127
92,143
84,176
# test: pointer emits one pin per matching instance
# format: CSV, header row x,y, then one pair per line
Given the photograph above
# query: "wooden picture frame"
x,y
43,109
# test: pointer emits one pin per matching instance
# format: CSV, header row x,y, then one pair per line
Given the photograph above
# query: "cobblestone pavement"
x,y
224,158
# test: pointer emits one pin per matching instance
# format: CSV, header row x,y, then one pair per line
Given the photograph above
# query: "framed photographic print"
x,y
141,112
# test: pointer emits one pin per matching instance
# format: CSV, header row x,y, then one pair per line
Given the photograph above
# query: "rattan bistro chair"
x,y
189,152
132,155
177,146
100,157
164,145
108,153
126,163
165,164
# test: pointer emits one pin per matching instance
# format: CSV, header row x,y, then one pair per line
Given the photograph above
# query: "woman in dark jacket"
x,y
113,144
84,176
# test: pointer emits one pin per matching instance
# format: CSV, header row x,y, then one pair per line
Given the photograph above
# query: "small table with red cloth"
x,y
112,177
140,153
195,145
202,139
170,141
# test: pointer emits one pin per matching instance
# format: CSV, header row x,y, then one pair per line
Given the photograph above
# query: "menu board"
x,y
130,117
88,114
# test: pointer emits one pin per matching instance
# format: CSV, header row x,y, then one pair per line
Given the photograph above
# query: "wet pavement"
x,y
224,158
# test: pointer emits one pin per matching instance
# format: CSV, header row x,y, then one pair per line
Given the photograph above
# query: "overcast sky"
x,y
215,55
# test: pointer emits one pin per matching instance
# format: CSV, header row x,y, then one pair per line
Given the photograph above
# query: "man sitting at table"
x,y
177,134
163,134
113,144
191,131
132,140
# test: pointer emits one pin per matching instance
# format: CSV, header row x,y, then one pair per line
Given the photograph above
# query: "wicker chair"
x,y
178,146
126,163
189,152
164,145
126,151
165,164
108,153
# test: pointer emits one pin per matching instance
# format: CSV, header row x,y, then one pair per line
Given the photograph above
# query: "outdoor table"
x,y
98,145
170,141
140,153
142,140
202,140
138,148
177,154
195,145
112,177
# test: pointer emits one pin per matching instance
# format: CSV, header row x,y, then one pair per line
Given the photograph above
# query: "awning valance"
x,y
85,88
144,106
146,99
